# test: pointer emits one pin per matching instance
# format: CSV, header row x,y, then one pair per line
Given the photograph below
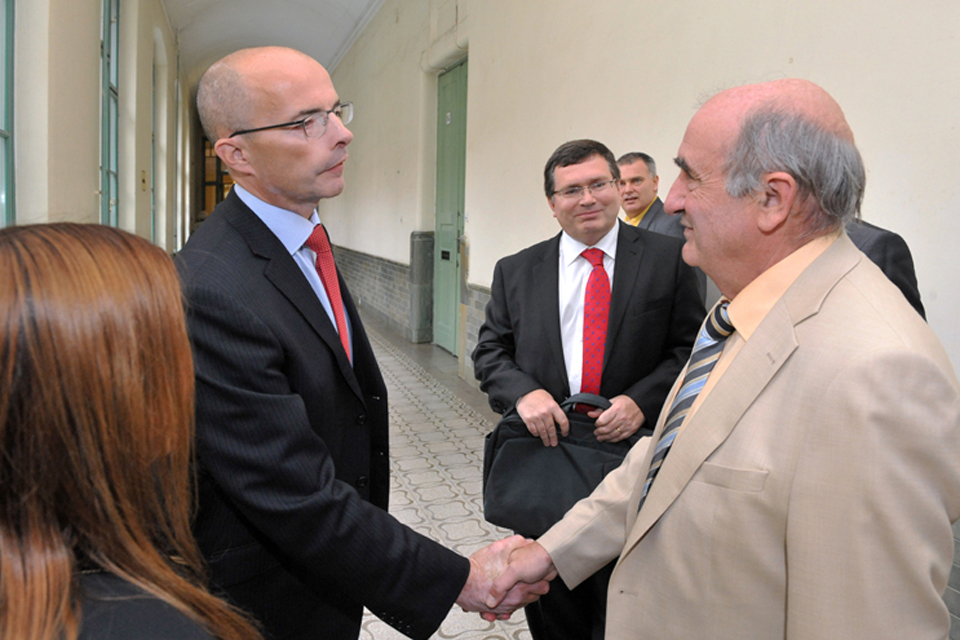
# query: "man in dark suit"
x,y
890,252
291,406
642,206
531,348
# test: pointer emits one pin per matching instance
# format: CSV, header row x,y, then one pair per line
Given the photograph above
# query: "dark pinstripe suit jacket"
x,y
293,452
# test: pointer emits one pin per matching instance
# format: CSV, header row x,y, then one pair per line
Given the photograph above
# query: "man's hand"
x,y
620,421
528,564
541,413
485,565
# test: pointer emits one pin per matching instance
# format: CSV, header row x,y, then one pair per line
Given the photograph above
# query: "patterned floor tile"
x,y
436,462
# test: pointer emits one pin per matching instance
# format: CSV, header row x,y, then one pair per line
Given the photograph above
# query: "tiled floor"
x,y
437,426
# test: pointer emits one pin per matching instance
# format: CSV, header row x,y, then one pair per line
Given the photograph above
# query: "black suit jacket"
x,y
890,252
659,221
655,312
292,448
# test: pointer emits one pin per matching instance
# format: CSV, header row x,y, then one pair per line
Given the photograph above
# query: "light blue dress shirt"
x,y
293,230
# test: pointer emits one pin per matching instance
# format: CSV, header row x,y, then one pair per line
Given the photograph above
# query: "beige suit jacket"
x,y
812,494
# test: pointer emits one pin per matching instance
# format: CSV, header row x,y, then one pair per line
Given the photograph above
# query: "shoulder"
x,y
228,251
535,253
114,609
215,244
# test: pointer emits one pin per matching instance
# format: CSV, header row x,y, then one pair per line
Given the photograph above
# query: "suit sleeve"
x,y
869,541
594,531
686,315
494,358
255,440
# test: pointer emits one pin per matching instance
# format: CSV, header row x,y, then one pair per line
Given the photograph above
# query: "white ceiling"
x,y
207,30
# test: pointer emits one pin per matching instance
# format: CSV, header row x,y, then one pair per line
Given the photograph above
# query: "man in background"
x,y
642,206
536,346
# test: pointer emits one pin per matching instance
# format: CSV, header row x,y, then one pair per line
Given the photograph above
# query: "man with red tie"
x,y
291,406
603,308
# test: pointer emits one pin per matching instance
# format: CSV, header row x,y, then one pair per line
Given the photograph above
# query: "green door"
x,y
451,159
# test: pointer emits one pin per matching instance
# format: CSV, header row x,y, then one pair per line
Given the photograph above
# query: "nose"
x,y
587,198
675,199
336,126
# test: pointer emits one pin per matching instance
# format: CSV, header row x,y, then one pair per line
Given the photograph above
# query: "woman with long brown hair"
x,y
96,428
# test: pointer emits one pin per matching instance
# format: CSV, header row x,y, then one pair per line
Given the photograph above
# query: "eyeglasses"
x,y
575,193
314,125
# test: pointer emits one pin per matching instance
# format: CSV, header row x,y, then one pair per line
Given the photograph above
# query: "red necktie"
x,y
596,309
320,245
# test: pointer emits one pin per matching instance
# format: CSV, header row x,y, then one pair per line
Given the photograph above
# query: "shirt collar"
x,y
748,309
291,228
570,249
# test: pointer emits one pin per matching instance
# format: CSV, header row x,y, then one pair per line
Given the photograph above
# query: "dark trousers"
x,y
565,614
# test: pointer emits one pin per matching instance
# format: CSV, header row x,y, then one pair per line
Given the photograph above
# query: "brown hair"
x,y
96,429
575,152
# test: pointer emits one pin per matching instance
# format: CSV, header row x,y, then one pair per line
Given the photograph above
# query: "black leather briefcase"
x,y
527,487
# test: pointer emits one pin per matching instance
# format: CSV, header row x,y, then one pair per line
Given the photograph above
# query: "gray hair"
x,y
223,100
638,156
828,169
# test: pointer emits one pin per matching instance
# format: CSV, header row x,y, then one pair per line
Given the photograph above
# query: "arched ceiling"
x,y
207,30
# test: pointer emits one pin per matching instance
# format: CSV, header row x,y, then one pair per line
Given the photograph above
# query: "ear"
x,y
776,200
234,154
656,184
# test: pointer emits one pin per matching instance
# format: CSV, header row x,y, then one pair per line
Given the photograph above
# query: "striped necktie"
x,y
706,352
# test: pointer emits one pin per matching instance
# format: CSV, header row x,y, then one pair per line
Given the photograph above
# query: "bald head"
x,y
794,96
237,87
796,127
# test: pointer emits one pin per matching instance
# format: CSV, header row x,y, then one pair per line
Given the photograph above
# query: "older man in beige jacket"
x,y
809,491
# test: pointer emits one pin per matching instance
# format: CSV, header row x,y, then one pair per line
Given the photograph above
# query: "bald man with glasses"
x,y
291,407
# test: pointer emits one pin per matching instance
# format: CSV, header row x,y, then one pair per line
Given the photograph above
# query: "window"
x,y
109,114
7,211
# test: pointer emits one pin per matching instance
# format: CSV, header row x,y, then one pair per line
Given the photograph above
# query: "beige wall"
x,y
389,177
56,127
630,74
57,114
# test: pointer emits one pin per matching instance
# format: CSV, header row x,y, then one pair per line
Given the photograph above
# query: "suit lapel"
x,y
758,361
546,279
651,220
629,256
284,274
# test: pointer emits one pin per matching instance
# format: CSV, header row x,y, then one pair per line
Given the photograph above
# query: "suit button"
x,y
362,481
361,419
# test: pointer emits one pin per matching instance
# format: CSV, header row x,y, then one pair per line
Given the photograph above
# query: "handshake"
x,y
505,576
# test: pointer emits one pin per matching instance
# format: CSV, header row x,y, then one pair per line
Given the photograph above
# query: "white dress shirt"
x,y
574,271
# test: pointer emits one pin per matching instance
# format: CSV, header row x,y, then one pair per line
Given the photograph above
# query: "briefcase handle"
x,y
591,399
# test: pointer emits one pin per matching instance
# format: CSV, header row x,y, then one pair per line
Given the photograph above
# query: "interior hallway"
x,y
437,426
